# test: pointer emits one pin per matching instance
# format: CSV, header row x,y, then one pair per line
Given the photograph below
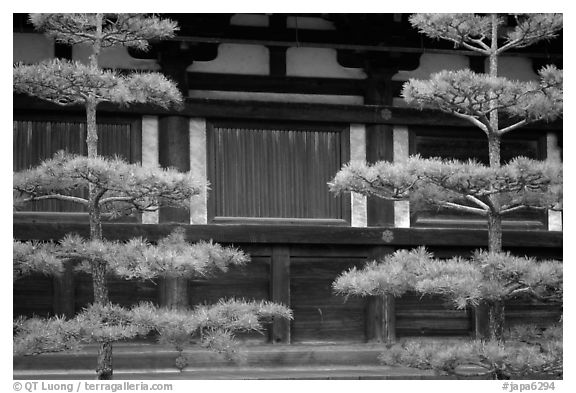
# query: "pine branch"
x,y
478,202
462,29
513,127
66,198
130,30
483,124
464,208
533,28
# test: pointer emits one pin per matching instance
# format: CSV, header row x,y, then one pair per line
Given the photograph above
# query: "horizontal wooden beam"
x,y
355,47
280,84
288,111
293,234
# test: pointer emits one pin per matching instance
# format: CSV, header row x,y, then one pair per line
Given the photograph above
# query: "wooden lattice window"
x,y
276,172
36,138
472,143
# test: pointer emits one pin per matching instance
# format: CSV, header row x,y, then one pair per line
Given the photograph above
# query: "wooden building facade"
x,y
275,105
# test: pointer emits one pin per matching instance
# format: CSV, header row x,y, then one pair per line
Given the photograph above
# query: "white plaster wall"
x,y
117,57
516,68
249,20
431,63
309,23
150,156
553,153
318,62
198,203
358,153
236,59
31,48
401,152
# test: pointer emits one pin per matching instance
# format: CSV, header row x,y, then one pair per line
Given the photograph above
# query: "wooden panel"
x,y
122,292
280,291
320,315
275,171
528,311
33,295
430,316
248,282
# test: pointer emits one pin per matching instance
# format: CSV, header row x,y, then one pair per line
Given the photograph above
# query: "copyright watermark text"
x,y
89,386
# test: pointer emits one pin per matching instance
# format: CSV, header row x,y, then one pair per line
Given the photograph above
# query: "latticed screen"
x,y
35,140
472,144
276,171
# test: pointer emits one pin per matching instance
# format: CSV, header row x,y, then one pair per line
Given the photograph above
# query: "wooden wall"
x,y
299,275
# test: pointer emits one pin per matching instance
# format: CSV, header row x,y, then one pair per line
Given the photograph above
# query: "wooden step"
x,y
241,373
155,356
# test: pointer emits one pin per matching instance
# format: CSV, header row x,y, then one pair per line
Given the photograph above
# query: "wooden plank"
x,y
267,234
63,295
222,109
280,291
319,314
279,84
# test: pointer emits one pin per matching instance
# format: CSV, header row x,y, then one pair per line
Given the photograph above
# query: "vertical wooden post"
x,y
280,291
174,292
380,310
63,297
174,151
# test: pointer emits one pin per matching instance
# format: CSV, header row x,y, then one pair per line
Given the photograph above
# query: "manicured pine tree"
x,y
117,187
480,99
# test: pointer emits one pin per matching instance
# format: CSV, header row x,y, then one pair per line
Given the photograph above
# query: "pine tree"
x,y
480,99
117,187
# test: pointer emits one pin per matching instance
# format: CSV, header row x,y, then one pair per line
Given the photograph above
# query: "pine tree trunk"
x,y
100,286
489,316
494,232
496,320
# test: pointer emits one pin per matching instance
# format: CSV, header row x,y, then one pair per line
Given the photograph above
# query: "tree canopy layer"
x,y
120,187
465,186
466,282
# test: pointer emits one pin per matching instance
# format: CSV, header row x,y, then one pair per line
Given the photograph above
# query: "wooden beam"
x,y
278,84
352,46
222,109
294,234
280,291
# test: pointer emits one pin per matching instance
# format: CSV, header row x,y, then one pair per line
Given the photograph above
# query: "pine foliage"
x,y
465,282
212,326
466,186
34,257
528,352
122,188
475,96
130,30
134,259
66,82
473,31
